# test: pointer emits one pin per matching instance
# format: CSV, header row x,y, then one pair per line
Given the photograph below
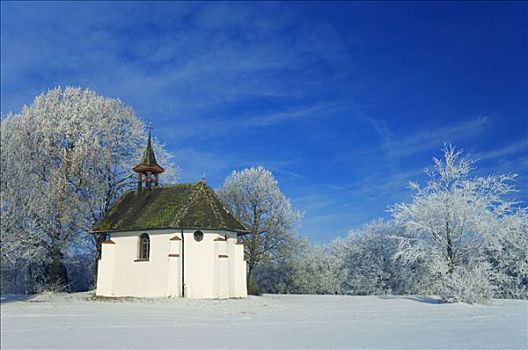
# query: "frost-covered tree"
x,y
64,160
253,195
449,223
367,254
508,255
276,276
318,271
310,269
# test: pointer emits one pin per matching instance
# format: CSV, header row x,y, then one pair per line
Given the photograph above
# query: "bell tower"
x,y
148,169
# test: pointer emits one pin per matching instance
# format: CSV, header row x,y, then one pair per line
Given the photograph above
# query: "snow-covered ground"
x,y
271,321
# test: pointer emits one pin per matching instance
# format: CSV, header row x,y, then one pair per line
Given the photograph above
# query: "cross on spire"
x,y
149,128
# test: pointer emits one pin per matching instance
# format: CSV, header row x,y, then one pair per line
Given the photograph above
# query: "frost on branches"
x,y
253,195
65,159
309,269
367,255
452,222
461,238
508,255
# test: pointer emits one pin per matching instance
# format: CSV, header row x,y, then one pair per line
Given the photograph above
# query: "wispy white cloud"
x,y
512,149
200,64
247,84
432,137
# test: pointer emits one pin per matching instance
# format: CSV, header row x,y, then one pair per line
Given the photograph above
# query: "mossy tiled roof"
x,y
179,206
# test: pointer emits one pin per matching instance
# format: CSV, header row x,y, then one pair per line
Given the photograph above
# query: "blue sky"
x,y
344,102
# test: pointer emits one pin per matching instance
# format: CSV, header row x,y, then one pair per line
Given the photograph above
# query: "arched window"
x,y
144,247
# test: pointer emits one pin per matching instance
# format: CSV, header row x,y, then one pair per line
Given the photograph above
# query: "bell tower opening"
x,y
148,169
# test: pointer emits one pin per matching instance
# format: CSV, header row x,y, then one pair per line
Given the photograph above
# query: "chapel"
x,y
169,241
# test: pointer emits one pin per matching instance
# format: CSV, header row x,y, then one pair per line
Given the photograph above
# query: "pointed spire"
x,y
149,169
148,156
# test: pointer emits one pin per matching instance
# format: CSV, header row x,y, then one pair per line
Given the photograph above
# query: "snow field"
x,y
69,321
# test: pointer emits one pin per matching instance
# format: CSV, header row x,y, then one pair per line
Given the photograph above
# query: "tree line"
x,y
461,237
66,158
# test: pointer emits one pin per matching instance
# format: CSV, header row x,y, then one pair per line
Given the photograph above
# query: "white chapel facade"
x,y
170,241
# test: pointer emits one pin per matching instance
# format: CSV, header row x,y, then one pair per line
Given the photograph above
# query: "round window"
x,y
198,236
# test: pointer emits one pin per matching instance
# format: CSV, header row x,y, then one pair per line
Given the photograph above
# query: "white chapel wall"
x,y
140,278
213,269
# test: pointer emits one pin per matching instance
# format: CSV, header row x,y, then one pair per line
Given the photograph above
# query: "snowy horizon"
x,y
288,321
343,102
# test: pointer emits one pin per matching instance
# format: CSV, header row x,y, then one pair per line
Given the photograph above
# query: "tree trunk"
x,y
252,288
58,275
99,238
253,259
30,281
450,252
